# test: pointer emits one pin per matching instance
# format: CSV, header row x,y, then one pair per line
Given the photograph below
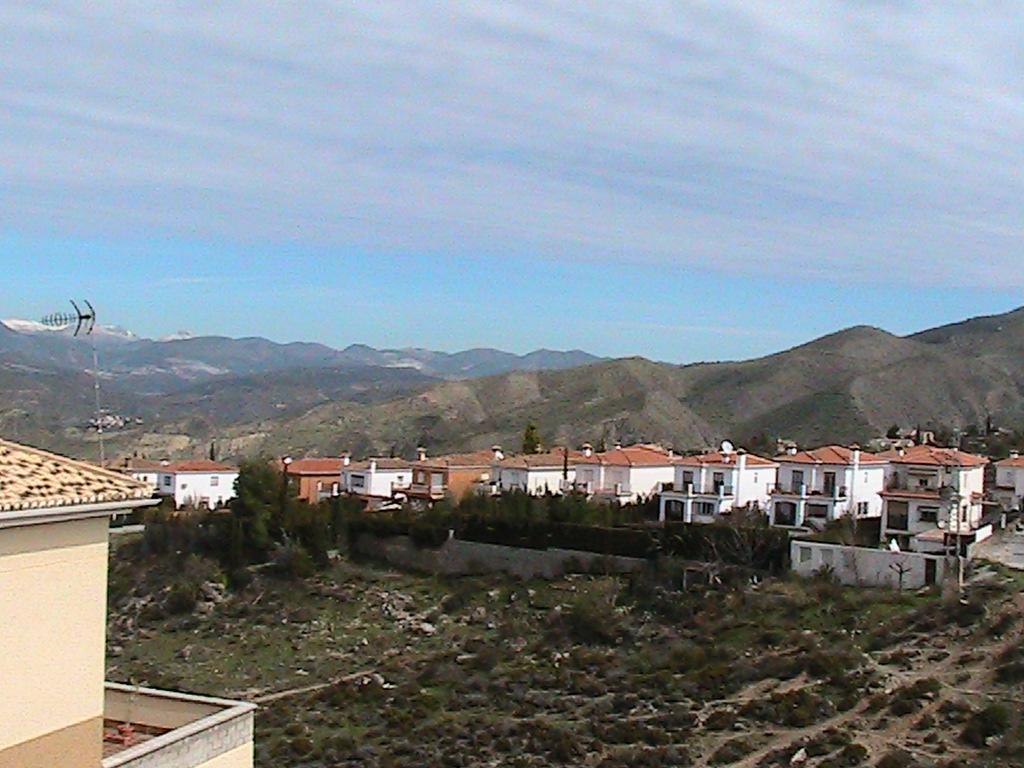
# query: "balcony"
x,y
801,490
719,491
144,728
424,491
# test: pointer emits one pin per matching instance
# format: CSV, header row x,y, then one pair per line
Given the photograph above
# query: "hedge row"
x,y
760,548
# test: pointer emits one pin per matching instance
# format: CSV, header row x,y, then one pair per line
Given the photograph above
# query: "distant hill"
x,y
845,387
146,366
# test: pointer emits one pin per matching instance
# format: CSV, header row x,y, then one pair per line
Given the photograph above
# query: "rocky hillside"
x,y
847,386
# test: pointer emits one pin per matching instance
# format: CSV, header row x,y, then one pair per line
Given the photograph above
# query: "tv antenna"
x,y
84,322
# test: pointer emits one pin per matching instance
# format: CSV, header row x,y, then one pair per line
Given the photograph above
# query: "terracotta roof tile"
x,y
459,460
34,479
553,459
382,464
315,466
830,454
719,457
934,456
640,455
197,465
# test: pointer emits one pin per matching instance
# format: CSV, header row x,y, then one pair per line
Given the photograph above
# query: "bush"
x,y
592,620
292,562
732,751
993,720
181,598
897,758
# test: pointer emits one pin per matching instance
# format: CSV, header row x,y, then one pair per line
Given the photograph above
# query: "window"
x,y
436,480
805,554
167,481
358,481
862,508
928,514
687,477
798,480
214,481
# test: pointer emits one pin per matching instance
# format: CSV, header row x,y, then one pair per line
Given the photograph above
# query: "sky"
x,y
679,180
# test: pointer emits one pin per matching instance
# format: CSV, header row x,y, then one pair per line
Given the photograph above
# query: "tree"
x,y
531,439
894,432
259,507
213,451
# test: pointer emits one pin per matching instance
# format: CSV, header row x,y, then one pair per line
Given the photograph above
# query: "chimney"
x,y
346,459
618,445
588,450
792,449
373,466
741,459
498,453
421,453
1015,455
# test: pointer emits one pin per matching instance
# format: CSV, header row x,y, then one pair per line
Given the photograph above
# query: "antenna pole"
x,y
96,391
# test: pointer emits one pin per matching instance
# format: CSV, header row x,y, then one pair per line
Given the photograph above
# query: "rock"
x,y
800,758
426,629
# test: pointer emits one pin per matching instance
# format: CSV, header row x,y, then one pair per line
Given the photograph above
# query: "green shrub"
x,y
993,720
181,598
732,751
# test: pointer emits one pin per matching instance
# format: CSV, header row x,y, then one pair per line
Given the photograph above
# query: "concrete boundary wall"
x,y
463,558
864,567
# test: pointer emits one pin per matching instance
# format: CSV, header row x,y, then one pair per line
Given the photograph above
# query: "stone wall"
x,y
462,558
860,566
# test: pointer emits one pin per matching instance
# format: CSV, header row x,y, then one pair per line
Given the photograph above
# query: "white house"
x,y
1009,486
376,478
198,483
817,486
932,498
714,484
536,473
624,475
143,470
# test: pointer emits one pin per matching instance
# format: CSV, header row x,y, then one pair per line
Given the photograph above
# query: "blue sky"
x,y
679,180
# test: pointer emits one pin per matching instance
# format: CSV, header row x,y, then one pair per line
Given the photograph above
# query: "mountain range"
x,y
845,387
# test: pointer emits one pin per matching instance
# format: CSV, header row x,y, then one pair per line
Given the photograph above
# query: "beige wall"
x,y
53,583
240,757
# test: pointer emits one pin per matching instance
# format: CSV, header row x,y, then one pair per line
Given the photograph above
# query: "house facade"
x,y
710,485
199,483
815,487
537,474
143,470
453,475
933,497
1008,490
56,709
624,474
315,479
376,478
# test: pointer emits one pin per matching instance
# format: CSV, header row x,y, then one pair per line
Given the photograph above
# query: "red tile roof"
x,y
933,456
1012,462
458,460
725,459
197,465
553,459
315,466
382,463
640,455
830,454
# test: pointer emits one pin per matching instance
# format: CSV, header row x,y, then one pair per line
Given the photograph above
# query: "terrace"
x,y
146,728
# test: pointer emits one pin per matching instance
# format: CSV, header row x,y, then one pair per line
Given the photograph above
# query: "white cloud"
x,y
853,140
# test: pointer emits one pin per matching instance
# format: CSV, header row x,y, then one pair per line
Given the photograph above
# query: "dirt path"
x,y
947,671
